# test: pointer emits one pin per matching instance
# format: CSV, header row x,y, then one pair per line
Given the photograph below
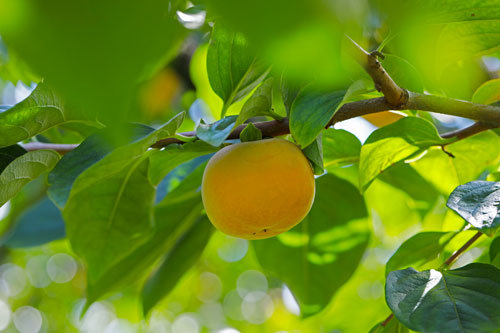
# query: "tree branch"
x,y
60,148
395,95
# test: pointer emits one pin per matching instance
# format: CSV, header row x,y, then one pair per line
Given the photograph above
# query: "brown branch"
x,y
395,95
473,129
461,250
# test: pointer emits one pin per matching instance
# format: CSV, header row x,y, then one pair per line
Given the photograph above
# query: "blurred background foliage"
x,y
145,61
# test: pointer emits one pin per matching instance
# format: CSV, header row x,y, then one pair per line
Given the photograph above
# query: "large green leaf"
x,y
471,157
232,68
38,112
89,152
324,250
460,300
38,225
402,176
340,148
311,112
394,143
172,221
110,208
417,250
94,52
478,202
9,154
24,169
184,254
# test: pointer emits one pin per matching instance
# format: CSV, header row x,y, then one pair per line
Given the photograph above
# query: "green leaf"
x,y
487,93
109,212
394,143
472,156
314,153
478,202
94,52
184,254
331,237
402,176
460,300
24,169
418,250
340,148
165,160
173,220
38,225
311,112
217,132
495,252
89,152
233,71
9,154
289,92
250,133
259,104
38,112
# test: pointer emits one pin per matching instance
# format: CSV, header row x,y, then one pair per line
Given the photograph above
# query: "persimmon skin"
x,y
258,189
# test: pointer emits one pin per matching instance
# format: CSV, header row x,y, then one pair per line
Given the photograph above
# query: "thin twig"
x,y
466,132
461,250
387,320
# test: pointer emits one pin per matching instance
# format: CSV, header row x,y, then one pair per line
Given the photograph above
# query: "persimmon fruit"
x,y
258,189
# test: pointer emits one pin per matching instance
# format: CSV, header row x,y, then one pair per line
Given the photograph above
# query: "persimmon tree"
x,y
127,179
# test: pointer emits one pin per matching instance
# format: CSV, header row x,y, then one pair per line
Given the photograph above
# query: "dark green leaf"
x,y
311,112
217,132
172,221
478,202
460,300
419,249
340,148
394,143
289,92
334,235
24,169
495,252
9,154
38,225
109,212
89,152
184,254
250,133
233,70
314,153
